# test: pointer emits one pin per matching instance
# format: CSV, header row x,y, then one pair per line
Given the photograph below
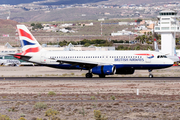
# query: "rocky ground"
x,y
88,99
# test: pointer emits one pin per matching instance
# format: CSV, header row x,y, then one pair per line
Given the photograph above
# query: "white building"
x,y
133,23
167,26
142,27
8,49
66,25
89,24
102,19
66,30
123,23
123,32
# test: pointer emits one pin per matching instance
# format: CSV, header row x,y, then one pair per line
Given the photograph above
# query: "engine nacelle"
x,y
125,71
104,70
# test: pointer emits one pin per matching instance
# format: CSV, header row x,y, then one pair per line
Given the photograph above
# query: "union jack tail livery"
x,y
28,42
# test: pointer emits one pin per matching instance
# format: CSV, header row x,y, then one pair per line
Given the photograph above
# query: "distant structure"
x,y
167,26
9,15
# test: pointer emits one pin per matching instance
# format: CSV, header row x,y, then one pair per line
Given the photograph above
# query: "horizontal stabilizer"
x,y
23,57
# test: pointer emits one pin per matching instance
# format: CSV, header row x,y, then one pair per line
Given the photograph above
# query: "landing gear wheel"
x,y
102,76
150,76
88,75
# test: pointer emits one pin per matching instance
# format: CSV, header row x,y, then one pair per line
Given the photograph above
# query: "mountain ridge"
x,y
16,2
70,2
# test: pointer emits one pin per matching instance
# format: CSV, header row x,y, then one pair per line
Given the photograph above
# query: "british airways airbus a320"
x,y
101,63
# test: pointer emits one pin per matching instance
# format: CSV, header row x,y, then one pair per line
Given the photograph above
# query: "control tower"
x,y
167,26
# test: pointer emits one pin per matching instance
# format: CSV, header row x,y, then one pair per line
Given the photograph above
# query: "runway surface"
x,y
89,79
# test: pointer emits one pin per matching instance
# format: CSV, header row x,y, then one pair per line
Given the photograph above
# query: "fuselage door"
x,y
147,60
43,57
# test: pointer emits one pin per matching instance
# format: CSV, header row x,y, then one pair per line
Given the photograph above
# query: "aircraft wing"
x,y
81,63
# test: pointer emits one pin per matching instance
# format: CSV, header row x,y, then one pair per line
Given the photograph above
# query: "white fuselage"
x,y
133,59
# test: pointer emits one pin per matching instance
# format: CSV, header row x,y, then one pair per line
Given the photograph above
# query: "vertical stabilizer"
x,y
28,42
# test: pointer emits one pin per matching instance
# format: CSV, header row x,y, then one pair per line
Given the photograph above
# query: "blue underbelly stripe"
x,y
118,66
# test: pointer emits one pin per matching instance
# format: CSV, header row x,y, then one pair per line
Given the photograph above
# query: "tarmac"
x,y
42,72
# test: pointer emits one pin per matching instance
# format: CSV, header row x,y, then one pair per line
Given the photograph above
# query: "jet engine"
x,y
104,70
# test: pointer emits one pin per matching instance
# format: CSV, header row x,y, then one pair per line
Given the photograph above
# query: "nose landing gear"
x,y
150,74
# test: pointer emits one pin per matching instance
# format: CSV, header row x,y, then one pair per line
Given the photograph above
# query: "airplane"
x,y
9,62
101,63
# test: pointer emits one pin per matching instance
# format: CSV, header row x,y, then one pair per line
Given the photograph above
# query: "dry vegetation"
x,y
88,99
92,100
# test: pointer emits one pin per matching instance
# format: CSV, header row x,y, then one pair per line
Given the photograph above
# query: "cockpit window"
x,y
161,56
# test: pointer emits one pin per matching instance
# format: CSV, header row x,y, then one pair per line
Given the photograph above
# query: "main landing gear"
x,y
150,74
102,76
89,74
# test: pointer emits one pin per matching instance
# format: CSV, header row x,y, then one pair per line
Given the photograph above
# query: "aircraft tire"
x,y
150,76
102,76
88,75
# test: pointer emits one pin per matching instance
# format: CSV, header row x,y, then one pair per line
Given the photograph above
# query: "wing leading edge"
x,y
81,63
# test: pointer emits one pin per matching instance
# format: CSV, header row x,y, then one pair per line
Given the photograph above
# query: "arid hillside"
x,y
4,23
135,1
7,27
70,2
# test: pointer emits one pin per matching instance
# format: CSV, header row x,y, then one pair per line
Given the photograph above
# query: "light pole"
x,y
57,42
101,28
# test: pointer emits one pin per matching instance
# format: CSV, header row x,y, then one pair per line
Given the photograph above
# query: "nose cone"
x,y
169,62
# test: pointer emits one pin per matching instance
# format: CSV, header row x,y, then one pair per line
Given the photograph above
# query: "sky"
x,y
59,2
